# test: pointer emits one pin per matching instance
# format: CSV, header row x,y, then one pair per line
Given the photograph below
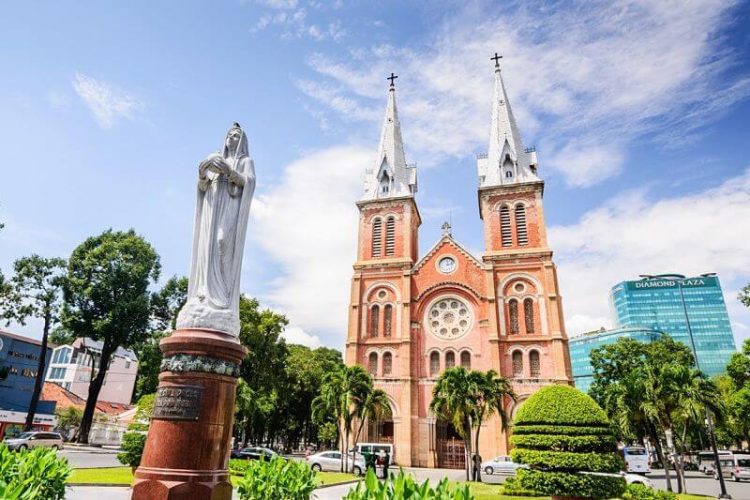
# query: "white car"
x,y
629,478
500,465
331,461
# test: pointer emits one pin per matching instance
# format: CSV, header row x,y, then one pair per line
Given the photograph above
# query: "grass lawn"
x,y
335,477
102,475
485,491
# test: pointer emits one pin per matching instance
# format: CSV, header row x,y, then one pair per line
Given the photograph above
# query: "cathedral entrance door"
x,y
380,432
451,450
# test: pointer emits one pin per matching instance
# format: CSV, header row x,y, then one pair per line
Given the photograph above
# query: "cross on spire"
x,y
496,59
392,78
446,227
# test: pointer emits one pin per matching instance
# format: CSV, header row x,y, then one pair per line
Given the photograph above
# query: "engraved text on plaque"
x,y
177,402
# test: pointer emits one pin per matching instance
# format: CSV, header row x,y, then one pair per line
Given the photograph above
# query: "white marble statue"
x,y
226,182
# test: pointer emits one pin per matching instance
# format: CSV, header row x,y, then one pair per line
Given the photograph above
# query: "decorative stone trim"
x,y
182,363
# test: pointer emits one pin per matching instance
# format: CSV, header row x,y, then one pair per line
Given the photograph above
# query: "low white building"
x,y
71,366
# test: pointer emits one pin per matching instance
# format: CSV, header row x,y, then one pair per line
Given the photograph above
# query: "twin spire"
x,y
506,161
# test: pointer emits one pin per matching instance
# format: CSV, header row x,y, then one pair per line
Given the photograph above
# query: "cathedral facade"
x,y
413,316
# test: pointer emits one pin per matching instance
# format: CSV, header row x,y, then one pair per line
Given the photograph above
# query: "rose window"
x,y
449,318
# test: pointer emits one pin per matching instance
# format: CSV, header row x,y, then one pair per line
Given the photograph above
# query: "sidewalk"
x,y
91,449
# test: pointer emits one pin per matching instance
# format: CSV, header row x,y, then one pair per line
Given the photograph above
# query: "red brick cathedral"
x,y
412,317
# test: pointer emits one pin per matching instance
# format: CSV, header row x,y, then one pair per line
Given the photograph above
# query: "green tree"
x,y
454,400
372,407
34,291
165,305
492,394
738,367
68,419
340,398
106,298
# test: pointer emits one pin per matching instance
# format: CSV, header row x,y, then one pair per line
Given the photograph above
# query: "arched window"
x,y
372,364
534,367
377,236
508,174
522,235
450,360
513,315
387,363
434,363
466,360
374,320
528,314
505,235
390,235
387,320
517,364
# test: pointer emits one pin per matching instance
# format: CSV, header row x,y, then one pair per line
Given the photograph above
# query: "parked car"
x,y
35,439
707,461
735,466
331,461
253,453
500,465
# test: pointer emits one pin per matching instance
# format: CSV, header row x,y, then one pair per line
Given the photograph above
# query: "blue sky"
x,y
639,112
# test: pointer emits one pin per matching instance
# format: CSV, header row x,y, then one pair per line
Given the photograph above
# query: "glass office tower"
x,y
657,303
581,347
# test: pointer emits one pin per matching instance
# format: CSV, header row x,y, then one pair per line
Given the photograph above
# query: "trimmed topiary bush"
x,y
565,439
637,491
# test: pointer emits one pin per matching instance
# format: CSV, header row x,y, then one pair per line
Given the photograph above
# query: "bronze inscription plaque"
x,y
178,402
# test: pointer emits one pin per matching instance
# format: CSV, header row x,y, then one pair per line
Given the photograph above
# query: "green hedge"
x,y
571,484
637,491
31,475
564,443
564,436
132,446
567,461
568,430
561,404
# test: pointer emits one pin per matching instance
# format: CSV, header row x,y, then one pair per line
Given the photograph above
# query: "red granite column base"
x,y
187,449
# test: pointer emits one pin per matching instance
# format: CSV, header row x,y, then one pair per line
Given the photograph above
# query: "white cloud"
x,y
293,23
598,75
702,232
308,225
106,102
296,335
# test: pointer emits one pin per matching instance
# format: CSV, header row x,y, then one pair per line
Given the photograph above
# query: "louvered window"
x,y
528,314
513,315
372,364
374,320
434,363
377,236
517,364
387,363
534,363
450,360
522,234
505,226
387,320
390,235
466,360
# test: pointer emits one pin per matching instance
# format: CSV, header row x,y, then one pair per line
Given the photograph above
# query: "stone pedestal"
x,y
188,442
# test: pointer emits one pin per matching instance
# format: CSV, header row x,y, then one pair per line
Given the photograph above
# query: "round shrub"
x,y
637,491
565,439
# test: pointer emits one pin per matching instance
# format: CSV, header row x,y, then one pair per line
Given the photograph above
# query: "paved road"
x,y
82,459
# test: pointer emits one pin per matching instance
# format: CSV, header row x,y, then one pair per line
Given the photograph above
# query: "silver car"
x,y
36,439
331,461
500,465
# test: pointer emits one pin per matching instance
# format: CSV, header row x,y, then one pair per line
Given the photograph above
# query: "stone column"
x,y
188,444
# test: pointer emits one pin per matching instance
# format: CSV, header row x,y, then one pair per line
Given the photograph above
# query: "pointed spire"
x,y
507,161
390,177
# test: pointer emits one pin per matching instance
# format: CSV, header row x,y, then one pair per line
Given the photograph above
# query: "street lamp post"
x,y
709,420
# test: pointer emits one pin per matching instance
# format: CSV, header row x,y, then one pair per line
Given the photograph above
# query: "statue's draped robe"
x,y
221,217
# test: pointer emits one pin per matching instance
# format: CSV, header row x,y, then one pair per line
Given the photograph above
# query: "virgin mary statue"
x,y
226,182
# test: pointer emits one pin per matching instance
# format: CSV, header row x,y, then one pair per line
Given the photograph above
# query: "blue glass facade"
x,y
581,347
657,303
19,359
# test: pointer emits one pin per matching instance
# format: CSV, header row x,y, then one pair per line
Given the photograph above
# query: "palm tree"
x,y
374,407
492,391
342,393
454,400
